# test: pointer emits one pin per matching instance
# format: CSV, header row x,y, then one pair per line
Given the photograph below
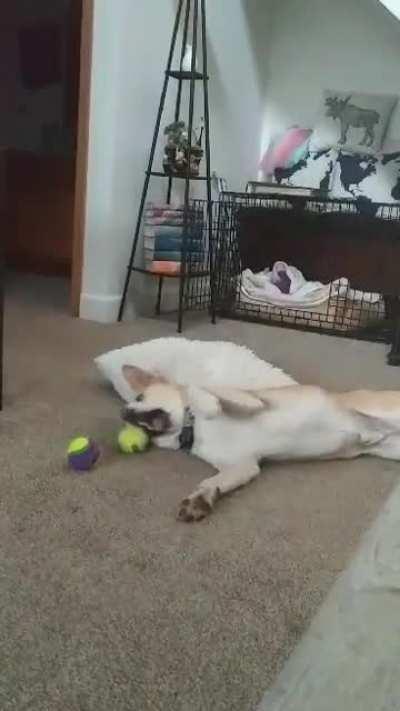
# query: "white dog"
x,y
231,409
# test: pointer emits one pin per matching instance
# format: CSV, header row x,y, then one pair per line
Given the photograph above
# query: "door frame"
x,y
82,155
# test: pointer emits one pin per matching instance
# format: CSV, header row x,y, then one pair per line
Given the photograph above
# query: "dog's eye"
x,y
140,398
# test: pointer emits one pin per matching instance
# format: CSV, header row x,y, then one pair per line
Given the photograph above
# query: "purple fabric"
x,y
281,278
283,282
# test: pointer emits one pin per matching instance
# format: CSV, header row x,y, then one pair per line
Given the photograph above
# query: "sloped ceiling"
x,y
393,6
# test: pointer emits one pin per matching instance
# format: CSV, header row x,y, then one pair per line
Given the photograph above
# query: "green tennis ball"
x,y
133,439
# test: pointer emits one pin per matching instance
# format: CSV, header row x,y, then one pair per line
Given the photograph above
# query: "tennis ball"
x,y
83,454
133,439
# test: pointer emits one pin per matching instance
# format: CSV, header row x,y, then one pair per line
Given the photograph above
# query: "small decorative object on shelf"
x,y
183,251
180,158
187,60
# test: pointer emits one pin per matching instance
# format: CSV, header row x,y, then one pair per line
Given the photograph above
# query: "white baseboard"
x,y
104,309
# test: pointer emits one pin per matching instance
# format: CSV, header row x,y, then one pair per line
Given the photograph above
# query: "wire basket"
x,y
346,310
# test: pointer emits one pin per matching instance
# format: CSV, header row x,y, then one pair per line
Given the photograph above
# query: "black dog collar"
x,y
186,437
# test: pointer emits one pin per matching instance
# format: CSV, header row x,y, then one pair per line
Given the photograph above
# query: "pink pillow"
x,y
282,150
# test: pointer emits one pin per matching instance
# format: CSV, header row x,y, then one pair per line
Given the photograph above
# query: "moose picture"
x,y
352,116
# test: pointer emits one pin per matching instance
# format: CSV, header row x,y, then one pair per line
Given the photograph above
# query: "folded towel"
x,y
172,231
163,210
171,244
170,268
165,220
165,256
162,231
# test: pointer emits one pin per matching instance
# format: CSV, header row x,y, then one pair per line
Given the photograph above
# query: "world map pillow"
x,y
369,178
354,122
314,171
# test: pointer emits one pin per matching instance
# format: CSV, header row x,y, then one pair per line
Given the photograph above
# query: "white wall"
x,y
351,45
238,43
131,41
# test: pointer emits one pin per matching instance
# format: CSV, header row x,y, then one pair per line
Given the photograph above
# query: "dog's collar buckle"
x,y
186,437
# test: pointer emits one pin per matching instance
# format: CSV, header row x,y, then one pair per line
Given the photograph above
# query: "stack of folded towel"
x,y
163,239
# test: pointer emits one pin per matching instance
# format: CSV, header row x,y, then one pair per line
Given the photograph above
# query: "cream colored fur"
x,y
236,429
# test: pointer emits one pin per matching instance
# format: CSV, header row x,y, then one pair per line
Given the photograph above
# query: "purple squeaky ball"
x,y
83,454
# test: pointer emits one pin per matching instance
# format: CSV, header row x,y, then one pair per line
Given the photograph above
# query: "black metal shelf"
x,y
158,174
186,76
193,14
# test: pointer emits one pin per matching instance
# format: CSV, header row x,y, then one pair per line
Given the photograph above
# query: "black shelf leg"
x,y
392,313
393,357
159,296
208,161
182,280
194,13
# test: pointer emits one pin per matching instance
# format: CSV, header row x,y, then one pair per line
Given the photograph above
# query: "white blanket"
x,y
205,364
261,288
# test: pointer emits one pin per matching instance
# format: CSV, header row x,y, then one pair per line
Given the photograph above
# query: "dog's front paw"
x,y
194,508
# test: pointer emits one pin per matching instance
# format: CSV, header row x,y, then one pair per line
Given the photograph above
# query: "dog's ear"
x,y
239,403
140,379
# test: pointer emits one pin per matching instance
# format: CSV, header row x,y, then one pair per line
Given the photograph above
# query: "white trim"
x,y
97,307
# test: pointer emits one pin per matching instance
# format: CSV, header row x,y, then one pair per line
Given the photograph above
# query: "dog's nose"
x,y
128,415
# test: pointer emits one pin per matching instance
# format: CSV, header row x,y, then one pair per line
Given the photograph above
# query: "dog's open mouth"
x,y
155,422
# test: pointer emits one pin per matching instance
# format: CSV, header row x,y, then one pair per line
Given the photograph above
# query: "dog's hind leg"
x,y
201,502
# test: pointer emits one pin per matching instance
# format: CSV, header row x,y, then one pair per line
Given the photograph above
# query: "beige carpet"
x,y
107,602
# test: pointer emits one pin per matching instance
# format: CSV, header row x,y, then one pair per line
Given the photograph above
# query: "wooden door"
x,y
41,184
40,213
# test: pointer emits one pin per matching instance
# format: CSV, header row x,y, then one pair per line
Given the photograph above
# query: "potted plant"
x,y
177,160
